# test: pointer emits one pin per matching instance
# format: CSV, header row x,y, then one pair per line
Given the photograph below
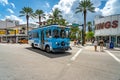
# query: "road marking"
x,y
117,59
75,56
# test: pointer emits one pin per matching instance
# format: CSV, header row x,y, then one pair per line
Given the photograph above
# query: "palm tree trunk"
x,y
84,27
39,21
27,18
88,28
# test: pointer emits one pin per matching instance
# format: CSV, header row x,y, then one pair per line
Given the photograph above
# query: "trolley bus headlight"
x,y
57,43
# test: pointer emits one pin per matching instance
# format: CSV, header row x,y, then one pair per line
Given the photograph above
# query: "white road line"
x,y
75,56
117,59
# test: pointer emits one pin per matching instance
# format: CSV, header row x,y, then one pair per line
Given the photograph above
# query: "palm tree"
x,y
73,32
49,21
56,15
40,14
84,6
62,22
28,12
89,24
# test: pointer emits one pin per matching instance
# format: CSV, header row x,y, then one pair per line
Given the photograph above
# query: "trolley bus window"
x,y
48,33
67,34
56,33
30,36
62,34
35,35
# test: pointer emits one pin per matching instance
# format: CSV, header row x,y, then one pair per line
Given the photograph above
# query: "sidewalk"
x,y
115,48
75,46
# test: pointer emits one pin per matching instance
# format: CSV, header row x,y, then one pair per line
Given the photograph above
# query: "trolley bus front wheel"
x,y
47,49
33,45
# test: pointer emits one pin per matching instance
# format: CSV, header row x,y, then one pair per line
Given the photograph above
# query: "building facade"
x,y
108,28
12,32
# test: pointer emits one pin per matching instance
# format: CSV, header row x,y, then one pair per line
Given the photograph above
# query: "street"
x,y
21,62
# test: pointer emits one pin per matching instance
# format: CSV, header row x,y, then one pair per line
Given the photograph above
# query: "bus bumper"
x,y
61,49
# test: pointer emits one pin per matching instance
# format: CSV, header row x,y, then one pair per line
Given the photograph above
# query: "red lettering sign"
x,y
107,25
114,24
101,25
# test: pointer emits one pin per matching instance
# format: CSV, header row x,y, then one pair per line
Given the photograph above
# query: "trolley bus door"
x,y
42,39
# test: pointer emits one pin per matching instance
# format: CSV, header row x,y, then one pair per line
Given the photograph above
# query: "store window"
x,y
118,41
113,39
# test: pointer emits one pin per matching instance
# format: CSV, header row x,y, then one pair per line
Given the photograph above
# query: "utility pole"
x,y
82,34
15,36
6,30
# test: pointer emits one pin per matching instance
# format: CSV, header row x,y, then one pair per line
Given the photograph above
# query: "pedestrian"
x,y
75,42
95,44
93,41
101,42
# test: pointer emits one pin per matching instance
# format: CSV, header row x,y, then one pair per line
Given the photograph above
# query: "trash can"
x,y
111,45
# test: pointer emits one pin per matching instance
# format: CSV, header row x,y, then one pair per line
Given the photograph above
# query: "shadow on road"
x,y
50,55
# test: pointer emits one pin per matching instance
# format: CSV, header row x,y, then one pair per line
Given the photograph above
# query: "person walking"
x,y
101,42
95,44
75,42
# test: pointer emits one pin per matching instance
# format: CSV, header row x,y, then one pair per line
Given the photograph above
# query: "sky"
x,y
9,9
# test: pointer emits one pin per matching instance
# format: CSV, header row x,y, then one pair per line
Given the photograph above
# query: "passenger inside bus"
x,y
62,34
56,33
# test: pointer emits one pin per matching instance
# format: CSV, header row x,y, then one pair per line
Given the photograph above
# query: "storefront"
x,y
12,35
108,28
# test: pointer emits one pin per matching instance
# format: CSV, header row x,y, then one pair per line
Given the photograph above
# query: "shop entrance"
x,y
118,41
113,39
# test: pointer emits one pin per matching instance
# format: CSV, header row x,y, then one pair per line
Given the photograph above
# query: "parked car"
x,y
23,41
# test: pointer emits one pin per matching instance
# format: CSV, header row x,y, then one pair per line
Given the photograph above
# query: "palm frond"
x,y
21,15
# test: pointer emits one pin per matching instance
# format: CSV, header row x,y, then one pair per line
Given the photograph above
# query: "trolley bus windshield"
x,y
60,33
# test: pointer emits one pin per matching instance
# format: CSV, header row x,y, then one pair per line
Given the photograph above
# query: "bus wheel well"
x,y
47,48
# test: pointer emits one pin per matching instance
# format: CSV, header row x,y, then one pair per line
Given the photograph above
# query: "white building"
x,y
108,27
8,23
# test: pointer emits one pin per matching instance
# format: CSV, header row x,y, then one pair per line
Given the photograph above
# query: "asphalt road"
x,y
21,62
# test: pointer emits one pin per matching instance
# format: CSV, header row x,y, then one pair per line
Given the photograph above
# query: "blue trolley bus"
x,y
50,38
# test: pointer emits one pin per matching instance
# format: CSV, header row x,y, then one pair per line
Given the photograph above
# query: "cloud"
x,y
68,8
4,2
47,4
64,5
10,10
112,7
13,17
13,5
33,21
97,3
21,21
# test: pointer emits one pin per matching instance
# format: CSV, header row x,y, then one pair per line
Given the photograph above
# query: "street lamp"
x,y
82,34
